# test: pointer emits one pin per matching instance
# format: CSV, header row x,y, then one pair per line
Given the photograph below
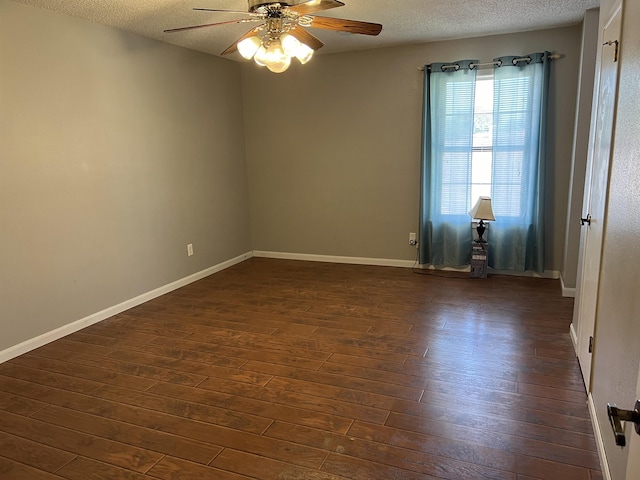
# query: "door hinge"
x,y
590,344
616,47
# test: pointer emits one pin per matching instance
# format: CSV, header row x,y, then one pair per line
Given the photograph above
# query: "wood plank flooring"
x,y
290,370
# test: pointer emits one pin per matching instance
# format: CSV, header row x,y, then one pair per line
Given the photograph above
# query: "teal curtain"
x,y
445,232
518,161
516,238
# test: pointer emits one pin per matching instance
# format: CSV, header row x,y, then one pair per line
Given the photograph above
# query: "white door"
x,y
594,205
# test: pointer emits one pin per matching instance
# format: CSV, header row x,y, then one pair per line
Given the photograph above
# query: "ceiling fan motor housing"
x,y
255,4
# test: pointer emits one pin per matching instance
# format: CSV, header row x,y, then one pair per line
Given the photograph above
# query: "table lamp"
x,y
482,211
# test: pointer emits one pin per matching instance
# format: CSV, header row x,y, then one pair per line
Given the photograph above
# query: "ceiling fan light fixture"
x,y
249,47
282,33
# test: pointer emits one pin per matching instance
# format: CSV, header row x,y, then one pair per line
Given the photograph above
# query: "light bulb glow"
x,y
276,59
249,46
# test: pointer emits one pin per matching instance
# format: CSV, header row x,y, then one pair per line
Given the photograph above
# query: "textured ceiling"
x,y
404,21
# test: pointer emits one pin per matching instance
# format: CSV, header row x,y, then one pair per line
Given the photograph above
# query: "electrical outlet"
x,y
190,249
413,239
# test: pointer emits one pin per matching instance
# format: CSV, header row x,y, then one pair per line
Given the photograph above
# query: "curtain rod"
x,y
553,56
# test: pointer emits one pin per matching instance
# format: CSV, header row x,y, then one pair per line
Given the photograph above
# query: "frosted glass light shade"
x,y
304,53
261,56
290,44
249,46
295,48
276,59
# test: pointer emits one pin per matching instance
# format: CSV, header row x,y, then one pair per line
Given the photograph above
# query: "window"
x,y
464,177
493,174
484,134
482,149
454,144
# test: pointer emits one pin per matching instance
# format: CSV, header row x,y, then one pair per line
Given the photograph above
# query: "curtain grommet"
x,y
516,61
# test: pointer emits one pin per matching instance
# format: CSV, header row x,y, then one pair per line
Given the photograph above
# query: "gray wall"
x,y
115,153
588,55
333,148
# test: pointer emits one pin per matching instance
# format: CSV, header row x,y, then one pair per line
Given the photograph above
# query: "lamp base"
x,y
480,229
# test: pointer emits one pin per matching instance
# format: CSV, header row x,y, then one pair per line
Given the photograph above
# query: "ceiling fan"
x,y
281,34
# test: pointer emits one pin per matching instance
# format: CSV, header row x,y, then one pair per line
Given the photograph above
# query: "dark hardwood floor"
x,y
293,370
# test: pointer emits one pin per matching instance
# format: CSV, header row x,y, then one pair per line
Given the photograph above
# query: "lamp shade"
x,y
482,209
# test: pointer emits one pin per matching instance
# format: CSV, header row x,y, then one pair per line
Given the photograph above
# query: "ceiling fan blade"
x,y
306,38
181,29
351,26
312,6
234,46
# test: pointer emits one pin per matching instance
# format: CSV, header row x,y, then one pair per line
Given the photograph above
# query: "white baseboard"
x,y
604,464
386,262
574,338
65,330
382,262
567,291
550,274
